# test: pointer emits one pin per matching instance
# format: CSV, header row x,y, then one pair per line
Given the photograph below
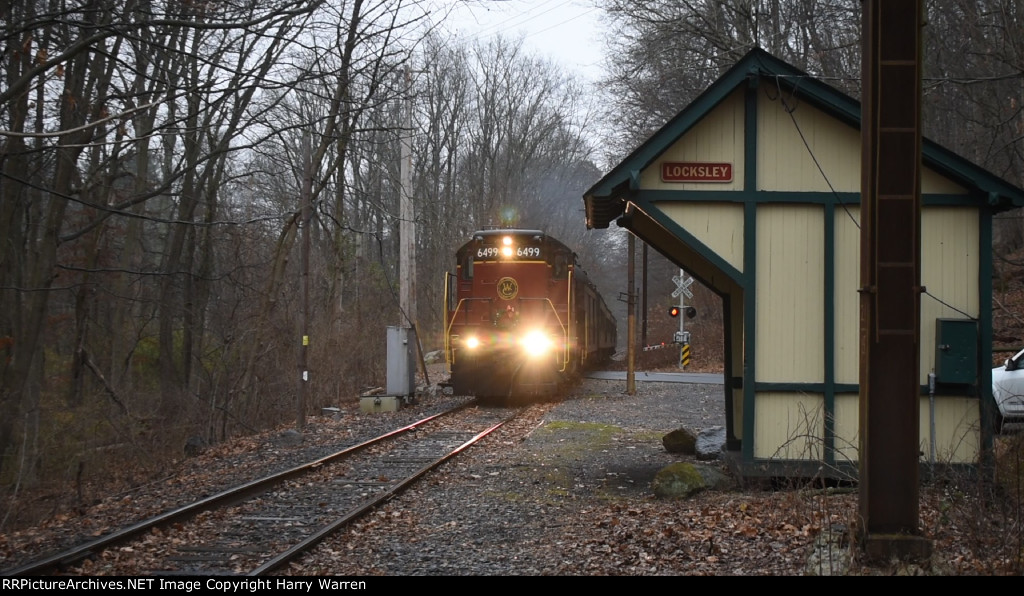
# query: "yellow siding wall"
x,y
788,303
788,137
718,137
846,298
790,315
789,426
957,430
719,226
933,183
783,160
847,427
949,271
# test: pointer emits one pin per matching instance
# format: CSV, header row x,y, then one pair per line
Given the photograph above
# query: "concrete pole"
x,y
305,199
407,218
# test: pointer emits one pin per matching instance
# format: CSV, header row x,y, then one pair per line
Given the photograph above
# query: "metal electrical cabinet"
x,y
401,361
401,369
956,351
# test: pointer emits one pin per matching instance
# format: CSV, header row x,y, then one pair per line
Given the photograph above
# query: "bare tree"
x,y
665,53
151,188
973,92
501,139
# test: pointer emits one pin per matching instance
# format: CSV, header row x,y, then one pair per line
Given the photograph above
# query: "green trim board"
x,y
750,141
971,391
839,471
750,327
780,468
839,199
829,353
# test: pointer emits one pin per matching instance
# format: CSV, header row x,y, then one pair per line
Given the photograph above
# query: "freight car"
x,y
521,316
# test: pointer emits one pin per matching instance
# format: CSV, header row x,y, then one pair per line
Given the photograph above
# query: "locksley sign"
x,y
695,171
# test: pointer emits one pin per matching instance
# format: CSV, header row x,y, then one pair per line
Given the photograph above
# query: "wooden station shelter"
x,y
754,189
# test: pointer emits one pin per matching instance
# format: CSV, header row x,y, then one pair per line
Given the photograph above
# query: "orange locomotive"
x,y
521,317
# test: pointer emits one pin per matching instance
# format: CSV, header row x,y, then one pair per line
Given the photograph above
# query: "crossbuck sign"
x,y
682,286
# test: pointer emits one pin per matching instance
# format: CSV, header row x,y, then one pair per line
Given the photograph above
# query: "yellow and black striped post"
x,y
684,355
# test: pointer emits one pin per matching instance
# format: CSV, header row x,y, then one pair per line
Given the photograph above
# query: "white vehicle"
x,y
1008,389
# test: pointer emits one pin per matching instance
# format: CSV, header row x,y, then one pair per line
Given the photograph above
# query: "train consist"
x,y
521,316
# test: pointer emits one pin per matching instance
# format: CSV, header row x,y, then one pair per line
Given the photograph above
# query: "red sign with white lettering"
x,y
695,171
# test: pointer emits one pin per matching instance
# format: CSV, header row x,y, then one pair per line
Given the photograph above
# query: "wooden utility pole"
x,y
890,293
643,299
631,318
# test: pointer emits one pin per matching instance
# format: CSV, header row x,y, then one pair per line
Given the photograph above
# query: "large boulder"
x,y
683,479
710,443
680,441
677,481
195,445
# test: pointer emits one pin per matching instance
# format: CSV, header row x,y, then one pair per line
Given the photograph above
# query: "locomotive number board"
x,y
491,253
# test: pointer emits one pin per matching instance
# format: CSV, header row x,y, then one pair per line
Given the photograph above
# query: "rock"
x,y
680,441
194,446
683,479
831,553
714,478
429,391
677,481
710,442
290,438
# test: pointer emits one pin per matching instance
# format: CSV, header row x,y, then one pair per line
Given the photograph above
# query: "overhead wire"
x,y
790,110
517,20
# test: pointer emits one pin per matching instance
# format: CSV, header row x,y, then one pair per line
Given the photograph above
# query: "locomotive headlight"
x,y
536,343
472,342
506,249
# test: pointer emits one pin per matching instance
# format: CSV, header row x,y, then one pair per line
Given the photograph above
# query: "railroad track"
x,y
254,528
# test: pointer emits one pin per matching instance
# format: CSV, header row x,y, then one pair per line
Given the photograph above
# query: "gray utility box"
x,y
374,404
401,361
956,351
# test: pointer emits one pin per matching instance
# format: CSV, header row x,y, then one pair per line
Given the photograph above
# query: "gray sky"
x,y
565,31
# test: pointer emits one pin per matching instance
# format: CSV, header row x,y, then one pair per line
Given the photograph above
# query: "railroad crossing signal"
x,y
682,336
682,286
675,311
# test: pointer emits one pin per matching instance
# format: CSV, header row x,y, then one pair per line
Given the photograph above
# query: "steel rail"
x,y
311,541
225,497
